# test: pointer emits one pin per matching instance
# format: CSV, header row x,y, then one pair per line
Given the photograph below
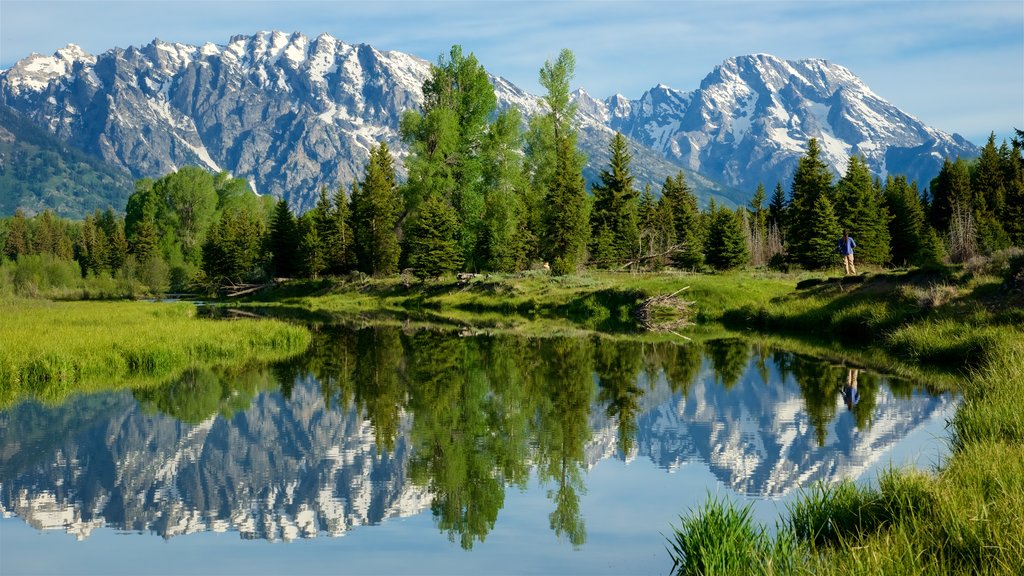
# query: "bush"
x,y
38,275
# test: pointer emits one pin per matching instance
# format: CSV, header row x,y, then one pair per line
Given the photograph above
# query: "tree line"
x,y
483,193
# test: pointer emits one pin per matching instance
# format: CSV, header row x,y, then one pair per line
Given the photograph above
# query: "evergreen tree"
x,y
433,239
233,251
283,242
1013,167
906,228
777,207
613,217
951,188
681,203
726,243
376,208
342,256
567,223
988,186
112,228
556,168
312,250
758,210
91,249
861,211
812,181
18,241
823,235
757,228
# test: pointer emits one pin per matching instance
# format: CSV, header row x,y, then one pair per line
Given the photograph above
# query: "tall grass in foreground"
x,y
50,349
968,518
721,538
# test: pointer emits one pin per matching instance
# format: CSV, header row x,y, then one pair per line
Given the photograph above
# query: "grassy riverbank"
x,y
964,518
49,350
533,302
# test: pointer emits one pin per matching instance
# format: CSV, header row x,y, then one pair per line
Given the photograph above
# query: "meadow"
x,y
50,349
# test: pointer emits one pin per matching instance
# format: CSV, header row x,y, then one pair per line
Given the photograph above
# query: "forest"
x,y
483,194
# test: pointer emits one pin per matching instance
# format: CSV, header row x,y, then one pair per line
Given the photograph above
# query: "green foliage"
x,y
822,235
811,220
51,349
283,241
720,538
907,225
40,173
186,205
507,240
376,208
448,142
567,228
233,252
556,166
433,242
861,211
688,224
614,230
726,243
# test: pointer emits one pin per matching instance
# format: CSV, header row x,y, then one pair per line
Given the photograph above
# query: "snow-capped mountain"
x,y
750,120
291,114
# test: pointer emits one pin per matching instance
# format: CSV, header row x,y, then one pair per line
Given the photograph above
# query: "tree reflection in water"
x,y
467,417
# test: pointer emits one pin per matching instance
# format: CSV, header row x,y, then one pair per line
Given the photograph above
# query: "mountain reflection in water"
x,y
377,422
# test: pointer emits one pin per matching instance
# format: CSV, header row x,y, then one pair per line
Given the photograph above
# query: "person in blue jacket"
x,y
846,246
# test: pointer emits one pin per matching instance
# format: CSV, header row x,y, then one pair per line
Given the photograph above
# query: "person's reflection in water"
x,y
850,395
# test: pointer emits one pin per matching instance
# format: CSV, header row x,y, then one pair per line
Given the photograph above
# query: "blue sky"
x,y
956,65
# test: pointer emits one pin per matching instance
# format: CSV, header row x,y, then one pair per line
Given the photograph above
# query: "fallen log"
x,y
665,312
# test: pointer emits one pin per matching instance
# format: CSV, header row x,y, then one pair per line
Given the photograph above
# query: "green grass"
x,y
534,302
962,519
49,350
721,538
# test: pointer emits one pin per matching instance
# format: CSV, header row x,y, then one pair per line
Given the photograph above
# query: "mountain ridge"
x,y
291,114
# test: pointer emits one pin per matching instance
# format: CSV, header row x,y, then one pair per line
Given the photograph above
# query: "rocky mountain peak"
x,y
291,114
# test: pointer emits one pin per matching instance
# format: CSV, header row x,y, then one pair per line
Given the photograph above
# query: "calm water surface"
x,y
425,452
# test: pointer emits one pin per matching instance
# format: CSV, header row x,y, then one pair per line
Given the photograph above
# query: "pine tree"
x,y
726,243
567,223
342,257
613,217
283,241
757,228
376,208
686,221
777,207
18,241
322,218
1013,166
233,252
91,249
812,181
823,235
951,188
312,251
433,239
555,165
988,186
861,212
906,228
112,228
